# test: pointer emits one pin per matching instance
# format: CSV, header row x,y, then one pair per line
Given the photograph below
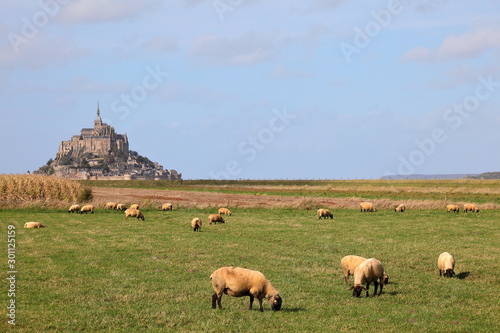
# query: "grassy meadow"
x,y
102,273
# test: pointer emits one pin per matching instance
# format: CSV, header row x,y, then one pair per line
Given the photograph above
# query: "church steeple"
x,y
98,120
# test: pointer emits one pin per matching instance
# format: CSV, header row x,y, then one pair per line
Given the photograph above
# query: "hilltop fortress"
x,y
101,153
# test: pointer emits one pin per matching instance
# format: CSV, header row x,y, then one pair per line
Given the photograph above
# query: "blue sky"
x,y
258,89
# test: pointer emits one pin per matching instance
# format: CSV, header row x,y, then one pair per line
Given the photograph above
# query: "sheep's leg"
x,y
260,303
214,300
376,287
251,302
381,287
217,298
440,272
367,287
346,278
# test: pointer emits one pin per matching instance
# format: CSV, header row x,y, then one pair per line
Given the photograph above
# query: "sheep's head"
x,y
386,279
449,273
356,290
276,302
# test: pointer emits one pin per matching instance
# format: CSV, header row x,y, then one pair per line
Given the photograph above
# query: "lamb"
x,y
214,218
453,208
87,208
224,211
121,207
367,272
446,264
349,265
401,208
196,224
238,282
110,205
74,208
324,213
134,206
167,206
471,207
33,225
134,213
367,207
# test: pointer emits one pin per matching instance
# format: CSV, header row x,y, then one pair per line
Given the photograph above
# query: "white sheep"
x,y
87,208
74,208
367,207
121,207
224,211
196,224
471,207
324,213
367,272
34,225
167,206
134,206
452,208
446,265
110,205
401,208
349,265
238,282
214,218
132,212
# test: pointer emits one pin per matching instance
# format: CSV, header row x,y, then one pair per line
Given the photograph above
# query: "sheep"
x,y
134,213
386,279
121,207
167,206
238,282
324,213
471,207
453,208
196,224
215,218
110,205
74,208
134,206
224,211
367,272
349,264
446,264
367,207
33,225
401,208
87,208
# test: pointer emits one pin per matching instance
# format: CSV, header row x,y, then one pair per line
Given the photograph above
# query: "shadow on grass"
x,y
462,275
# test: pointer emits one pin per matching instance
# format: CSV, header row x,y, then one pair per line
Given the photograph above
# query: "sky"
x,y
249,89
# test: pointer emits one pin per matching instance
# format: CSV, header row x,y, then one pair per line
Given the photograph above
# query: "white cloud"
x,y
466,46
91,11
245,50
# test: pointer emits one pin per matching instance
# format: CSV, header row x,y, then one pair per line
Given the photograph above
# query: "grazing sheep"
x,y
324,213
33,225
238,282
453,208
367,207
224,211
87,208
214,218
349,265
446,264
196,224
367,272
471,207
386,279
134,213
167,206
110,205
121,207
74,208
134,206
401,208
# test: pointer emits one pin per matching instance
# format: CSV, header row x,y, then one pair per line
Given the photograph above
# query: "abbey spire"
x,y
98,120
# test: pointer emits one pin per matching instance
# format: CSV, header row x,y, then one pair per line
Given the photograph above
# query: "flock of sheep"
x,y
238,282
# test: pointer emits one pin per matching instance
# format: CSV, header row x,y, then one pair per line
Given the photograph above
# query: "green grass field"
x,y
102,273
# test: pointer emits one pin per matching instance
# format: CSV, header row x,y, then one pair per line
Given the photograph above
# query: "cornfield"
x,y
22,188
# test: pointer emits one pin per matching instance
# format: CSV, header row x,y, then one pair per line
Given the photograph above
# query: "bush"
x,y
85,195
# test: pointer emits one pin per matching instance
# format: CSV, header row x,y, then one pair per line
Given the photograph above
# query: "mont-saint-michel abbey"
x,y
101,153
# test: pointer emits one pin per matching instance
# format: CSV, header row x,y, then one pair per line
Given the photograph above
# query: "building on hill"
x,y
99,141
101,153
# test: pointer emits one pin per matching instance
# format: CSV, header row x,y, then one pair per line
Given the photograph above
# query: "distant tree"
x,y
49,162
